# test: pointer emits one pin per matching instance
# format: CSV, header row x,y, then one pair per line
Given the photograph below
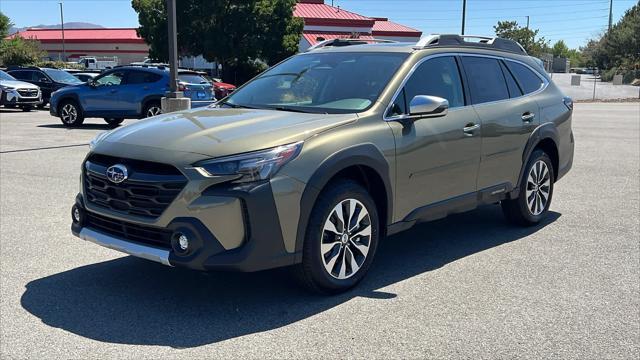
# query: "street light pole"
x,y
174,99
64,53
464,13
173,49
527,21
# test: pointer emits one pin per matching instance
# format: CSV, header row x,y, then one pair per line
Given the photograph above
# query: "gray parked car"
x,y
314,161
16,93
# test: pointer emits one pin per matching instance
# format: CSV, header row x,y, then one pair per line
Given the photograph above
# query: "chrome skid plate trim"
x,y
138,250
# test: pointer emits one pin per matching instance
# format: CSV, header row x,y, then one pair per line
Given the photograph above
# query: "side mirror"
x,y
428,106
44,80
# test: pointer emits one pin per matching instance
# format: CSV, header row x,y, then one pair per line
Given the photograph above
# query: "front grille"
x,y
147,192
28,92
154,236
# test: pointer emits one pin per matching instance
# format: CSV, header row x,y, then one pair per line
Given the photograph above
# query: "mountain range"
x,y
68,25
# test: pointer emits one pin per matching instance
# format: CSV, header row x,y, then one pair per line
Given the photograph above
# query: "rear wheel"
x,y
70,113
341,239
152,109
113,122
536,191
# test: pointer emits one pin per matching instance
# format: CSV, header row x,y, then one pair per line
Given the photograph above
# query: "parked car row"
x,y
16,93
115,94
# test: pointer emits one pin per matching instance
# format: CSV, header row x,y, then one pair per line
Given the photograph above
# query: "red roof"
x,y
384,27
312,38
315,13
99,35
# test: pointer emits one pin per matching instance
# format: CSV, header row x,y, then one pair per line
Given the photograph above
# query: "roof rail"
x,y
475,41
347,42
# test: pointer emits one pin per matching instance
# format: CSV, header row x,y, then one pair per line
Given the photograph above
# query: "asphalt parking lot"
x,y
469,286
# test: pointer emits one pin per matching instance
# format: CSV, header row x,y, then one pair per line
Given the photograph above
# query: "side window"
x,y
512,85
38,76
113,78
486,81
528,80
437,77
142,77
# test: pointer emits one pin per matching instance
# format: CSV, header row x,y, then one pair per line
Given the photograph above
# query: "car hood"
x,y
218,132
18,84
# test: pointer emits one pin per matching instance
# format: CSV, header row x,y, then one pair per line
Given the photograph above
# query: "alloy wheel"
x,y
153,111
69,114
346,239
538,187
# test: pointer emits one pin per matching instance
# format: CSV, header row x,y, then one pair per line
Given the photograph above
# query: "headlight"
x,y
7,88
98,138
259,165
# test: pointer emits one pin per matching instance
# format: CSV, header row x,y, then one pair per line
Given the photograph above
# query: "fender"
x,y
544,131
74,97
364,155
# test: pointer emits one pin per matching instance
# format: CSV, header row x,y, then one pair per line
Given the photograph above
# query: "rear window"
x,y
528,80
192,79
486,81
514,89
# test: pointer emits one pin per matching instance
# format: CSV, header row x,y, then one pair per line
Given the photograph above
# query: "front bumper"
x,y
262,247
14,98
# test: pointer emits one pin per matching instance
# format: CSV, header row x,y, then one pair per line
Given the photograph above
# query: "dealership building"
x,y
125,44
321,22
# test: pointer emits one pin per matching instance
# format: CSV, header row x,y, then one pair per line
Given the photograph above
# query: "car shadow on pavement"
x,y
80,127
133,301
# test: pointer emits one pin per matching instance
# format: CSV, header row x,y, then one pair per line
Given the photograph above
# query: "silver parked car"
x,y
16,93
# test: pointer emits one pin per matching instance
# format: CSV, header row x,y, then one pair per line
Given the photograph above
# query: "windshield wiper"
x,y
237,106
285,108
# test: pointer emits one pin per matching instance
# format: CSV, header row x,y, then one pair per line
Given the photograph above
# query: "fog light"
x,y
76,214
183,242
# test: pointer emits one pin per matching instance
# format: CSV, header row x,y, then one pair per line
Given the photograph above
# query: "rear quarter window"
x,y
528,80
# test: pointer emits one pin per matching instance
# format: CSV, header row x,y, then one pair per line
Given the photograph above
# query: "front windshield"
x,y
337,82
62,76
5,76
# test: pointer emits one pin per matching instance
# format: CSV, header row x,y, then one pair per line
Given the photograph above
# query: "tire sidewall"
x,y
312,253
522,200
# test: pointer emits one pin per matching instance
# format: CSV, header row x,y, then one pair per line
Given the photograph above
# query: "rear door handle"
x,y
470,128
528,116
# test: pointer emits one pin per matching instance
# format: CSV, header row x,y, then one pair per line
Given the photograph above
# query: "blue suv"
x,y
130,92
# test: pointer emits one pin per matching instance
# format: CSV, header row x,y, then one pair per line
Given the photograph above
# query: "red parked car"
x,y
222,89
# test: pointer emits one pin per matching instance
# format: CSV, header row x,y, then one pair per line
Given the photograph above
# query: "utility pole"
x,y
464,14
527,21
174,99
64,53
610,13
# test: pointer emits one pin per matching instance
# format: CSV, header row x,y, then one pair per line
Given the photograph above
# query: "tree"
x,y
560,49
5,25
234,33
19,51
525,36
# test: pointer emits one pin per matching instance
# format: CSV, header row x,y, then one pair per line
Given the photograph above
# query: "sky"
x,y
574,21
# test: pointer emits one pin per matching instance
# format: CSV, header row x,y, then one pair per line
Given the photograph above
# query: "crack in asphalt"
x,y
43,148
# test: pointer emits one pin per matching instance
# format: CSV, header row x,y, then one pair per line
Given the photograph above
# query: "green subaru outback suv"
x,y
316,160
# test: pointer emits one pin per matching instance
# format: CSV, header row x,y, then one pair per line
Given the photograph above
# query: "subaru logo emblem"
x,y
117,173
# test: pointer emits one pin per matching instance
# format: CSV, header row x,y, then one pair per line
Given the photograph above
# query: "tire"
x,y
329,269
530,207
113,122
42,105
70,113
27,108
151,109
10,106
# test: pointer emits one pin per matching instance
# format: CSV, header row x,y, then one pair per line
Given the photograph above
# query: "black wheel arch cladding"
x,y
366,155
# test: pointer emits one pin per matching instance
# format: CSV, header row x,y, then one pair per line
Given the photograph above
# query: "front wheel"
x,y
27,108
71,114
341,239
536,191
